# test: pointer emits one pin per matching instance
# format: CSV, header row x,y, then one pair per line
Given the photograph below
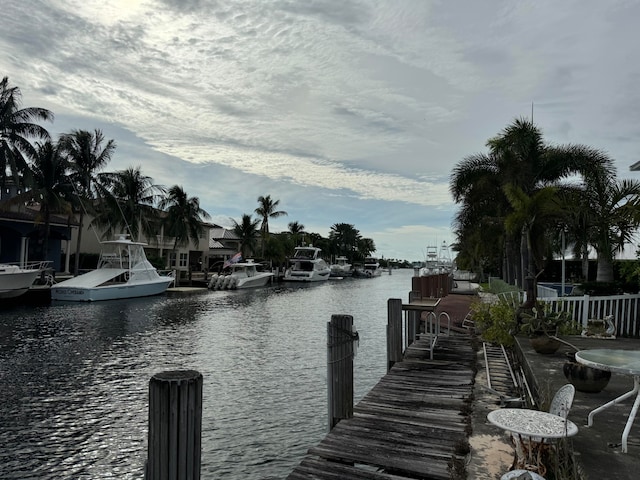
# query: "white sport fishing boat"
x,y
241,275
16,278
307,266
341,267
123,272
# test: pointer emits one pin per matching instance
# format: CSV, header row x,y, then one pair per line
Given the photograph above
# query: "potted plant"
x,y
542,326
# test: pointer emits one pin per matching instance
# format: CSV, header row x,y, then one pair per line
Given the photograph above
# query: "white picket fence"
x,y
624,308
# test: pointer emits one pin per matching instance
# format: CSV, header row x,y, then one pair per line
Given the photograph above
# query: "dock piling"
x,y
340,353
175,426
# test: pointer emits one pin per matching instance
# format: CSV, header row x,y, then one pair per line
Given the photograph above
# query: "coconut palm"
x,y
87,156
247,231
16,128
184,217
267,208
129,204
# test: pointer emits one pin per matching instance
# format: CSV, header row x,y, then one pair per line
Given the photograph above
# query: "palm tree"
x,y
531,217
612,219
344,237
247,232
16,128
296,229
517,156
47,186
184,217
129,204
366,246
266,210
86,156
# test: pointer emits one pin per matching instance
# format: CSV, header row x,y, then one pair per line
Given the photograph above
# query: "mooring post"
x,y
175,426
340,353
394,331
413,320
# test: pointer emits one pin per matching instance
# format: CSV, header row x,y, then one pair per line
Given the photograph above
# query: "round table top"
x,y
532,423
622,361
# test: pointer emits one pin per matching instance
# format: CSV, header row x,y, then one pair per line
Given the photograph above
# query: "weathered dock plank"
x,y
413,424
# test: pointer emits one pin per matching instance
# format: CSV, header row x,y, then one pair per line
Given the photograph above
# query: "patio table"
x,y
626,362
531,427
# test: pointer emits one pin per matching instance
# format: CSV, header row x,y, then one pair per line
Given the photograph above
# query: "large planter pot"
x,y
544,344
584,378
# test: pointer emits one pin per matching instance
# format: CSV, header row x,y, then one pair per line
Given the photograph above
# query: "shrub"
x,y
495,321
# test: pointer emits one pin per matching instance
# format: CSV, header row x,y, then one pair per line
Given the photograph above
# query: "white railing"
x,y
624,308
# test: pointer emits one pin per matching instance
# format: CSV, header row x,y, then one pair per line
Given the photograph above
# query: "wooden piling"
x,y
340,353
175,426
394,331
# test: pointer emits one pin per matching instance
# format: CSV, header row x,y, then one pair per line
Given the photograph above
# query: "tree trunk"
x,y
605,269
76,266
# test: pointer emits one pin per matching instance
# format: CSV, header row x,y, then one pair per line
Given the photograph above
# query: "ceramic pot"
x,y
584,378
544,344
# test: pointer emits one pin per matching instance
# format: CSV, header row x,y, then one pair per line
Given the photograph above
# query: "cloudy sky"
x,y
346,111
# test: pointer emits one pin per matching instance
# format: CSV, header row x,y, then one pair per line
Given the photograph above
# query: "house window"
x,y
172,259
183,259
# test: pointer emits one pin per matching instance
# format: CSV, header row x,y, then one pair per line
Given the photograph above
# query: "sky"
x,y
345,111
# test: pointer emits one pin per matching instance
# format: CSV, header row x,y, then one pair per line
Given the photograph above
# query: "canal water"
x,y
74,377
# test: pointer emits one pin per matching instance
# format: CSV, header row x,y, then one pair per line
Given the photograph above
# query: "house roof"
x,y
221,233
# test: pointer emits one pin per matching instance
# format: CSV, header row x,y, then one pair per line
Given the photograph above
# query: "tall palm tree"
x,y
267,208
48,186
184,219
247,231
129,204
87,156
16,128
517,156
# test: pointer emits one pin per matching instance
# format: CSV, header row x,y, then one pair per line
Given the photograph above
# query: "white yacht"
x,y
341,267
241,275
307,266
371,267
16,279
123,272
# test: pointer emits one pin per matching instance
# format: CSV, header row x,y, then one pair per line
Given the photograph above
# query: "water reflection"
x,y
74,377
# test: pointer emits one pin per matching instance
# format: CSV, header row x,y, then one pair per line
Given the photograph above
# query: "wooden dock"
x,y
414,424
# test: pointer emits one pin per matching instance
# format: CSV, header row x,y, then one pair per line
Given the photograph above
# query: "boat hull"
x,y
64,293
15,281
303,276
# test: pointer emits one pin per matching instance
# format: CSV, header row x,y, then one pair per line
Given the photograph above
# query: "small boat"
x,y
341,268
123,272
241,275
16,279
307,266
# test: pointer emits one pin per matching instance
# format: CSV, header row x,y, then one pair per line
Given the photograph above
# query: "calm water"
x,y
74,377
